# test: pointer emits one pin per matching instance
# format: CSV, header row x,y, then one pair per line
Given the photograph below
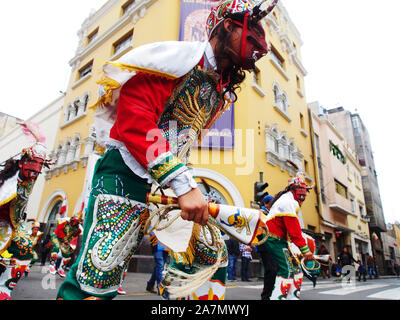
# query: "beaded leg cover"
x,y
113,237
112,231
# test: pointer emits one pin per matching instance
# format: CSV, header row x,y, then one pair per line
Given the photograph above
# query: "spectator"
x,y
246,258
361,271
160,253
397,268
371,266
233,255
46,246
324,265
346,259
269,264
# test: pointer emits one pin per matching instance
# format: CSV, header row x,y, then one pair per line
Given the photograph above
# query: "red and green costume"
x,y
62,238
284,226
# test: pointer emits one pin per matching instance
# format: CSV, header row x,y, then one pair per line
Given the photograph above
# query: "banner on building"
x,y
193,18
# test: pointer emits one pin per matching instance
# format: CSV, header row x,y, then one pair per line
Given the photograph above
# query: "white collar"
x,y
209,62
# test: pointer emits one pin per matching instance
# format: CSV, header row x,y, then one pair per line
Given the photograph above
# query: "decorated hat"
x,y
230,7
299,182
38,150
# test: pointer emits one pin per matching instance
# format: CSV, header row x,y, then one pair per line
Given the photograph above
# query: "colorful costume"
x,y
284,227
35,235
155,101
63,239
15,242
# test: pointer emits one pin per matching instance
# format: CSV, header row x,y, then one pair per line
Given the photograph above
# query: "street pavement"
x,y
40,285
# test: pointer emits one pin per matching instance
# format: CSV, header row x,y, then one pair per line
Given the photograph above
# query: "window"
x,y
123,43
85,70
281,101
353,205
361,208
92,36
341,189
277,58
276,94
256,76
127,6
336,152
298,82
306,167
301,121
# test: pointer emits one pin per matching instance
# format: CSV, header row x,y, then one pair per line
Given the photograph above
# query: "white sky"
x,y
350,52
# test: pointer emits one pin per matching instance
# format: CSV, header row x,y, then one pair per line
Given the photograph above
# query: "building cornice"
x,y
137,12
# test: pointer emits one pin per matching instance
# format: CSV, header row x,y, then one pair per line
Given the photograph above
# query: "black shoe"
x,y
150,289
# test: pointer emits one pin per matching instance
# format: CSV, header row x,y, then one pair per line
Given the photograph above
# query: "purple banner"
x,y
193,18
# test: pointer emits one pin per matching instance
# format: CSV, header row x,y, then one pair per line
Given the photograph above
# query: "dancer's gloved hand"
x,y
308,256
194,207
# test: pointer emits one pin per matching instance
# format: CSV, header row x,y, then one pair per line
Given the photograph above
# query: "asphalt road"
x,y
40,285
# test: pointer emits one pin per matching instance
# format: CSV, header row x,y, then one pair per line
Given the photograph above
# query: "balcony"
x,y
340,204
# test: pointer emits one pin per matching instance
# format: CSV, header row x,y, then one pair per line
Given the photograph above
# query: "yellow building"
x,y
271,122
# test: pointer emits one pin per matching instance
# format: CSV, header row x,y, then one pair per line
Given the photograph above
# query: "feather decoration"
x,y
32,131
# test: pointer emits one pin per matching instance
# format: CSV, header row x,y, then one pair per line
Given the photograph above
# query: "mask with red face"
x,y
32,161
31,168
299,194
253,43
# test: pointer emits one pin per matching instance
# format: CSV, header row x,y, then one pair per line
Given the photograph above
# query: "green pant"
x,y
287,264
112,230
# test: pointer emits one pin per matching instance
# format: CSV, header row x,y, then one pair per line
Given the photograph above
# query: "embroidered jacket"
x,y
283,221
161,107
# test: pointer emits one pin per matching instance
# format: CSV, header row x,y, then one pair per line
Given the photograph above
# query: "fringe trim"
x,y
109,85
187,257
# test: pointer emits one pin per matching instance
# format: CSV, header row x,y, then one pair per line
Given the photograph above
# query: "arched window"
x,y
85,100
276,94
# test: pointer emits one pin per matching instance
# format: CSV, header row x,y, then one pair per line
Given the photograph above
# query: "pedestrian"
x,y
362,272
283,223
46,246
397,268
266,203
371,266
232,246
160,254
269,265
323,251
245,255
155,102
346,259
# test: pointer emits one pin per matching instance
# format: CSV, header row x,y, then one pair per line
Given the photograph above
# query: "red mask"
x,y
299,194
253,43
31,168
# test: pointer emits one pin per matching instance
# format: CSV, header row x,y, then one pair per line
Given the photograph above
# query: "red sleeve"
x,y
59,232
140,105
294,230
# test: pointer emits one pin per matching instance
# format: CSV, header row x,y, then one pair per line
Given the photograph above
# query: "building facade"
x,y
353,129
343,218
